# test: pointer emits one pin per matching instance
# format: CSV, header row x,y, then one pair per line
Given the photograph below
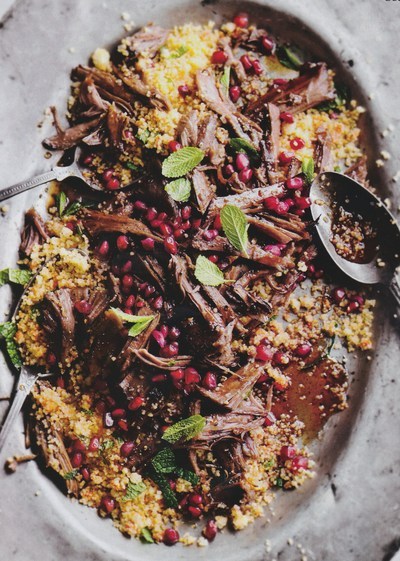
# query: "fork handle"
x,y
24,388
26,185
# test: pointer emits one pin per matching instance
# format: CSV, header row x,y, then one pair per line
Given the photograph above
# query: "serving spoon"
x,y
330,190
58,172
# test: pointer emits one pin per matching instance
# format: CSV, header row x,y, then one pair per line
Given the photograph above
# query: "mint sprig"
x,y
288,57
16,276
225,79
235,227
242,145
139,323
208,273
179,189
8,331
184,430
133,490
182,161
307,167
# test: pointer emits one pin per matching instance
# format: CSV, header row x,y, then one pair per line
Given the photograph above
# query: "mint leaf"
x,y
72,208
235,226
179,189
185,429
241,145
8,331
17,276
187,475
225,80
71,474
139,322
288,57
131,166
133,490
146,536
168,495
143,136
208,273
61,202
307,167
164,461
182,161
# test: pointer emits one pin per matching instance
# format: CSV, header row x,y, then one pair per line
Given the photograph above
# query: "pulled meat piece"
x,y
108,339
149,39
282,235
322,151
58,320
90,97
117,122
188,129
359,171
224,426
246,200
203,189
64,139
135,344
311,88
163,363
97,222
34,232
136,84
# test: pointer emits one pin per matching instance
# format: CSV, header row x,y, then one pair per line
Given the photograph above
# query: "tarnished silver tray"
x,y
351,509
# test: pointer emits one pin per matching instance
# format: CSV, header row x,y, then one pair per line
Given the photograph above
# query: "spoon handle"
x,y
26,185
394,288
25,384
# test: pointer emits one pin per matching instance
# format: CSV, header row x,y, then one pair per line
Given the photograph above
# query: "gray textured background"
x,y
351,511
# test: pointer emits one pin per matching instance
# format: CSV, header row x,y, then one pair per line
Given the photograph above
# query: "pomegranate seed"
x,y
258,69
70,226
242,161
127,281
111,401
170,536
113,184
159,338
77,459
164,330
87,160
107,503
280,358
302,202
178,374
217,222
123,425
281,82
60,382
127,448
183,90
219,57
83,307
85,474
209,381
274,249
158,303
140,303
286,117
170,245
271,203
186,212
234,93
78,446
245,60
338,294
210,530
245,175
128,311
297,143
195,499
178,233
303,350
51,358
94,444
298,463
127,266
147,244
140,205
286,157
267,44
149,290
128,134
151,214
262,378
213,258
241,20
270,419
353,307
174,145
294,183
108,174
196,223
186,225
283,207
287,453
210,235
172,484
103,248
165,229
194,511
191,376
130,301
264,353
162,216
118,413
136,403
170,350
122,243
358,298
174,334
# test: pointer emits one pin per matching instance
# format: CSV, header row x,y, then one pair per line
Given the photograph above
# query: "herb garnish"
x,y
8,331
179,189
133,490
71,474
182,161
241,145
140,323
185,429
225,79
16,276
235,227
146,536
143,136
208,273
288,57
307,167
180,51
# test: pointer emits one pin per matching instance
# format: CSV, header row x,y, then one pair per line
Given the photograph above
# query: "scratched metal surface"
x,y
351,510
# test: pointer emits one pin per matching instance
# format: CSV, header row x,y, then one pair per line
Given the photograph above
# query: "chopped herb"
x,y
337,168
225,79
16,276
307,167
164,461
324,354
73,208
61,203
8,331
133,490
71,474
88,412
289,57
169,496
180,51
241,145
131,166
235,226
106,445
187,475
279,482
146,536
140,323
182,161
179,189
143,136
185,429
270,464
208,273
343,96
